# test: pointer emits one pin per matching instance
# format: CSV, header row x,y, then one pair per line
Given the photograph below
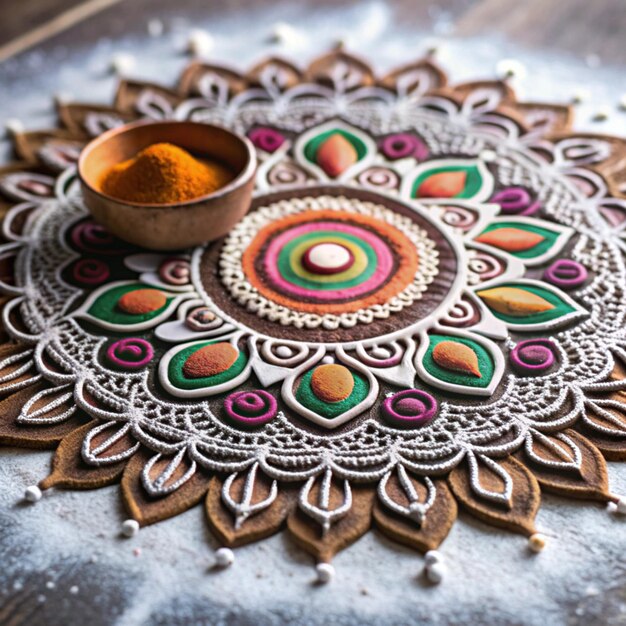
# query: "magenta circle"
x,y
566,274
251,408
409,408
130,353
533,356
403,145
90,271
266,139
311,266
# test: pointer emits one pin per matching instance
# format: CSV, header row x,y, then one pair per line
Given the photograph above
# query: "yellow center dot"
x,y
210,360
332,382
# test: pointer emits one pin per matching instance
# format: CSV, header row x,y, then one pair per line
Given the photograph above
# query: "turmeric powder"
x,y
162,174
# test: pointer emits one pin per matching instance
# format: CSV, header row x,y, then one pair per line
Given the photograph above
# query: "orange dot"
x,y
142,301
458,357
332,382
210,360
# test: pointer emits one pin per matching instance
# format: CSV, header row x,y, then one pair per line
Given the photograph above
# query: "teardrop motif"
x,y
443,185
514,301
336,154
457,357
511,239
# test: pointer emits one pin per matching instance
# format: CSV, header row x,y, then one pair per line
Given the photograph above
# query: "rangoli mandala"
x,y
424,306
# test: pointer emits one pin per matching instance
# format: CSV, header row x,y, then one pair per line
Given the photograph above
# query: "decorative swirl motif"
x,y
566,274
251,408
516,201
463,314
266,139
175,272
380,177
87,236
533,356
459,217
409,408
201,319
286,174
90,272
130,353
485,266
403,145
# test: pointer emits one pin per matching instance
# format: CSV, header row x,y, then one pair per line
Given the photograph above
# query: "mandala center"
x,y
308,261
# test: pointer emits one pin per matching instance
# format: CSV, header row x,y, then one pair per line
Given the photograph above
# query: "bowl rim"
x,y
241,179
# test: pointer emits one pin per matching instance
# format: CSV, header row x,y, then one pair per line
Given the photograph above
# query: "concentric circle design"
x,y
330,261
292,261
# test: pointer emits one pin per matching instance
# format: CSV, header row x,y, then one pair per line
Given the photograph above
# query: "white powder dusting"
x,y
68,545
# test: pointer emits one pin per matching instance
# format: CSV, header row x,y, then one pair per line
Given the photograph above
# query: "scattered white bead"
x,y
327,360
511,68
50,584
593,60
62,97
122,63
620,505
537,542
200,43
621,103
155,28
284,33
381,353
581,95
488,156
14,126
74,590
432,557
32,494
130,528
435,572
602,114
284,352
325,572
224,557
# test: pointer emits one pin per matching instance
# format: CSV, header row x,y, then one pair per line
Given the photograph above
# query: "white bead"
x,y
488,155
32,493
200,42
602,114
122,63
433,556
284,33
511,68
621,103
620,505
284,352
581,95
381,353
14,126
130,528
327,360
325,572
435,572
537,542
155,28
224,557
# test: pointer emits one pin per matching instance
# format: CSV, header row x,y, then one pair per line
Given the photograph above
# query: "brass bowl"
x,y
169,226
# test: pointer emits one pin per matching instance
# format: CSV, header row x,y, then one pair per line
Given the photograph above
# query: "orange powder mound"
x,y
163,173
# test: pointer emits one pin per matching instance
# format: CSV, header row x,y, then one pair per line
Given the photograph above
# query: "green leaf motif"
x,y
105,306
306,396
484,360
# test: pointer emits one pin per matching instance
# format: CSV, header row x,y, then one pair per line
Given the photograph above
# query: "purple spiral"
x,y
251,408
403,145
90,272
533,357
409,408
516,201
266,139
93,238
130,353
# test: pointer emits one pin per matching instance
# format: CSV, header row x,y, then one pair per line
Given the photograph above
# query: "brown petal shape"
x,y
191,78
28,144
590,482
525,497
345,531
258,526
74,115
32,436
423,76
324,68
71,471
549,118
25,379
435,526
611,445
287,75
129,92
147,510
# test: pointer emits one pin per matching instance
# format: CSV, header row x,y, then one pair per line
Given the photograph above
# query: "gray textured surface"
x,y
72,539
